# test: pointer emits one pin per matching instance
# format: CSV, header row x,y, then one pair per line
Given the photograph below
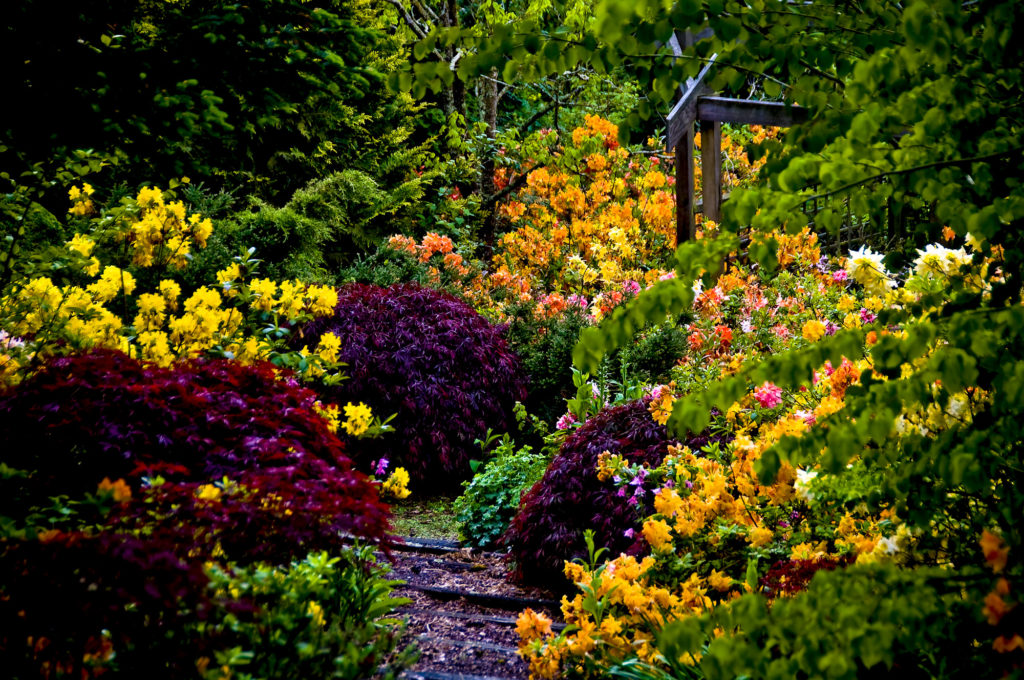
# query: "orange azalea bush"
x,y
601,218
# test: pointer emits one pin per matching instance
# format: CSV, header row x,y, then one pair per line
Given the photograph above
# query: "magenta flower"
x,y
565,421
630,287
381,467
840,276
867,316
768,395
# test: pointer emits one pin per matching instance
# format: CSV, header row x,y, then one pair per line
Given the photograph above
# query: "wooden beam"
x,y
711,168
684,113
748,112
686,228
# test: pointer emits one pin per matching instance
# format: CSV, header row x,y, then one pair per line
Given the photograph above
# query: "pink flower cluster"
x,y
768,395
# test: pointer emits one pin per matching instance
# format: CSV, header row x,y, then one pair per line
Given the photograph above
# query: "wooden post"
x,y
711,168
685,227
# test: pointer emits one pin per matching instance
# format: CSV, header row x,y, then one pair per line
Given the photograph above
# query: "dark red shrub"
x,y
105,415
788,577
61,594
548,529
569,499
432,360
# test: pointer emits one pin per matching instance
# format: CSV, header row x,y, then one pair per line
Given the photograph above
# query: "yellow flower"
x,y
81,244
759,536
396,485
263,291
667,502
170,291
719,581
208,492
532,626
658,534
357,418
813,330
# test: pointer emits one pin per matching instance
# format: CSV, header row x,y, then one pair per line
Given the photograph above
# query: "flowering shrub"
x,y
216,457
121,302
328,609
429,358
721,527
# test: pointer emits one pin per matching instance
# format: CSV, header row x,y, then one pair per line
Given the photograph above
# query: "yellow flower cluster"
x,y
635,608
396,485
357,418
84,317
162,234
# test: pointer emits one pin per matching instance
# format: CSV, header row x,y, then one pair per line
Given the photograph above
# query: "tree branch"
x,y
907,171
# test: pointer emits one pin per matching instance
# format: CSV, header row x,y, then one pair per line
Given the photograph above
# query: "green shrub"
x,y
491,498
315,234
318,618
545,349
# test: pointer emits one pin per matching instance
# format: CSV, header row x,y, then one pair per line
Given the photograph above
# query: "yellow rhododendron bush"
x,y
115,285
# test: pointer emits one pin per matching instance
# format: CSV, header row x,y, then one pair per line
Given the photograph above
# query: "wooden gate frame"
x,y
697,103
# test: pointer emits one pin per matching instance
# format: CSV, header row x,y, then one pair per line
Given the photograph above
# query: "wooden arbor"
x,y
697,103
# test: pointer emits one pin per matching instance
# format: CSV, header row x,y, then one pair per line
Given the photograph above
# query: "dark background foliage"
x,y
433,361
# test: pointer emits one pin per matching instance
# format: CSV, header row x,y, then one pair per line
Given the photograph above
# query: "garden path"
x,y
463,611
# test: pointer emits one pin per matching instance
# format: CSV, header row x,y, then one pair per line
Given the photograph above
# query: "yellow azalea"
x,y
81,244
330,413
813,330
233,272
759,536
322,300
847,304
150,197
330,345
357,418
397,484
208,492
667,502
112,282
170,291
719,581
658,534
263,291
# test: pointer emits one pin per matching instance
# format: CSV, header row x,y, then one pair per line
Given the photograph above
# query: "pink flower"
x,y
381,467
781,332
565,421
840,276
666,277
630,287
768,395
806,416
575,300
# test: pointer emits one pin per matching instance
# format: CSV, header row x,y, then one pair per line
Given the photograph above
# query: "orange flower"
x,y
994,550
121,491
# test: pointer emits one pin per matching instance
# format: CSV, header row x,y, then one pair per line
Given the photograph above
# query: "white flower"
x,y
803,482
865,267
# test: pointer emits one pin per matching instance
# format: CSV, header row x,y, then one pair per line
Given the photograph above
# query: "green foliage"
x,y
545,348
323,617
848,624
267,95
491,498
318,231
